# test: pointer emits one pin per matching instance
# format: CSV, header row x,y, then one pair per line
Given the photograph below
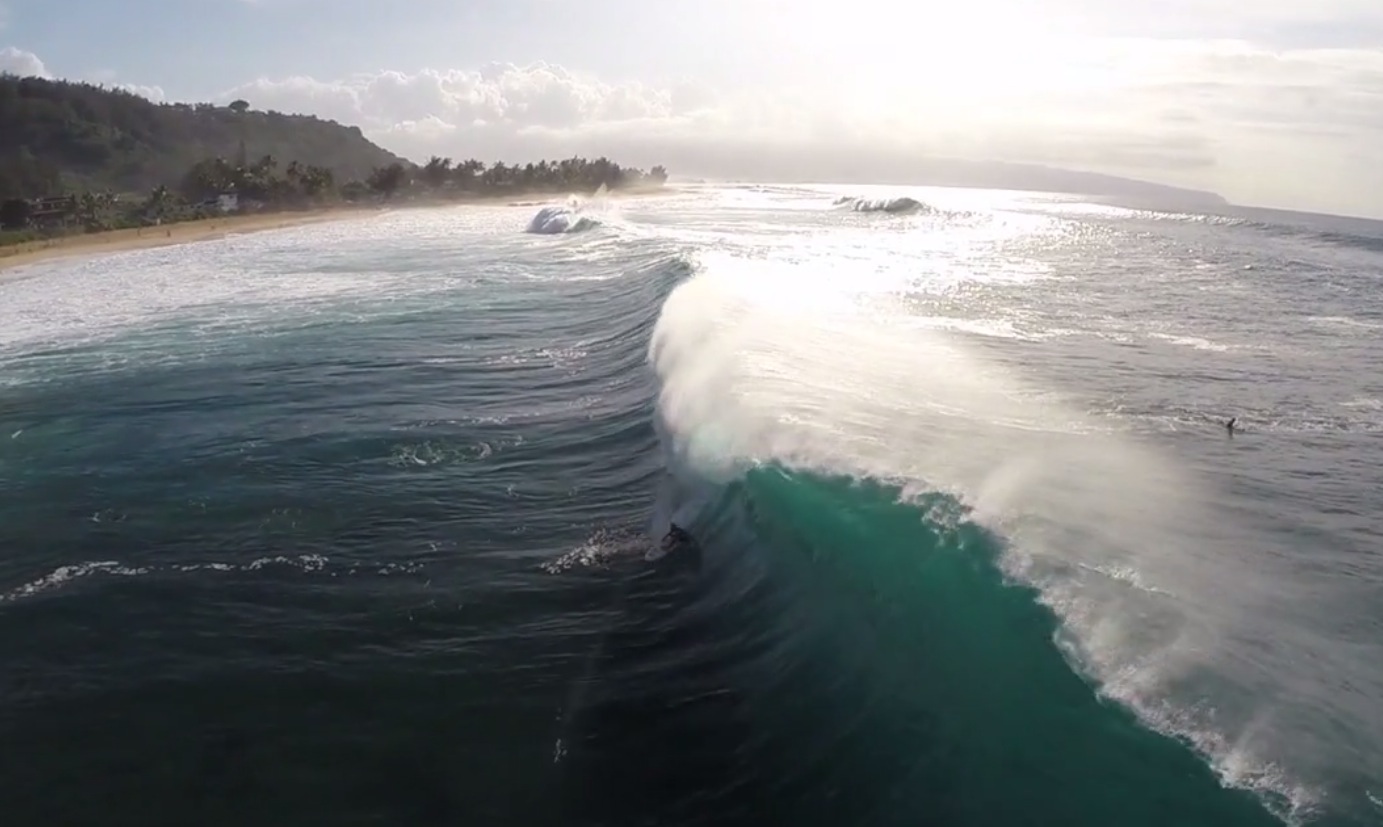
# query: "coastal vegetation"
x,y
78,158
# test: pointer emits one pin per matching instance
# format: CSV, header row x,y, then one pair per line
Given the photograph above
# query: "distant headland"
x,y
76,158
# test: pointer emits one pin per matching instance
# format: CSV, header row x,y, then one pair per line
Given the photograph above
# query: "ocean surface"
x,y
349,524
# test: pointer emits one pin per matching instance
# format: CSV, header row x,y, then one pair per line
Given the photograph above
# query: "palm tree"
x,y
240,107
387,180
316,181
89,211
157,202
465,173
436,171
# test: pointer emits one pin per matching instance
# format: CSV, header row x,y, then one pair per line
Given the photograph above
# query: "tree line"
x,y
216,186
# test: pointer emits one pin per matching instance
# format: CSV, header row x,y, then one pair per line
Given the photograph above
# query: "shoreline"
x,y
140,238
16,256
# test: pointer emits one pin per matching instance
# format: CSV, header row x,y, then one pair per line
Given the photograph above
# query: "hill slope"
x,y
58,135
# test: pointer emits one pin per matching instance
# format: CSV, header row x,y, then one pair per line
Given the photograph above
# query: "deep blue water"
x,y
347,524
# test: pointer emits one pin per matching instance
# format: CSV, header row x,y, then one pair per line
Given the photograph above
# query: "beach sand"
x,y
15,256
182,232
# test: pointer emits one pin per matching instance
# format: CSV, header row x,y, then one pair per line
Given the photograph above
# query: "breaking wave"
x,y
558,219
903,205
1004,571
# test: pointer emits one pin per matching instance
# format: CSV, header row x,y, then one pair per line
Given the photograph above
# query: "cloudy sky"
x,y
1274,102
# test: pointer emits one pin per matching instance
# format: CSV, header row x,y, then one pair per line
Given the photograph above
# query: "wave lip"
x,y
901,205
557,219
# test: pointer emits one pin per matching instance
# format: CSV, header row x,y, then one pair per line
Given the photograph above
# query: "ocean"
x,y
351,523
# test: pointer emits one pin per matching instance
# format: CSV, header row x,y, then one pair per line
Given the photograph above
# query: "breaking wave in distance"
x,y
901,204
557,219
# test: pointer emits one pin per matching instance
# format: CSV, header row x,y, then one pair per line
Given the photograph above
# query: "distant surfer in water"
x,y
1229,425
675,539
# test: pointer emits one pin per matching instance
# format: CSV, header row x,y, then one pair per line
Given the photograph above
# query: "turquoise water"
x,y
347,523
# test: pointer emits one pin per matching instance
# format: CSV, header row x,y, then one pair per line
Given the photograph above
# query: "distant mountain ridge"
x,y
807,165
58,136
1006,175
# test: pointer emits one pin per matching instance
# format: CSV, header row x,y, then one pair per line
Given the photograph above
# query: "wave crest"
x,y
901,205
750,382
557,219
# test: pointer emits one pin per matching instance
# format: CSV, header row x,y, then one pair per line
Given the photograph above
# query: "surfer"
x,y
1229,425
676,536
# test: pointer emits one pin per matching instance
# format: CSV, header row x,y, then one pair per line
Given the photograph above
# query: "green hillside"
x,y
59,136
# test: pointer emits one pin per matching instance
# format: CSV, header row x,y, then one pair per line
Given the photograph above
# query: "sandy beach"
x,y
186,232
183,232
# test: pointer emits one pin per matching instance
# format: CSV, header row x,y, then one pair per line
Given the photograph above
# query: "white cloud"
x,y
14,61
153,93
1282,127
109,78
539,95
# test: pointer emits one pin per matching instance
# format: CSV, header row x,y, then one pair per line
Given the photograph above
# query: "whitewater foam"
x,y
561,218
896,205
599,550
63,576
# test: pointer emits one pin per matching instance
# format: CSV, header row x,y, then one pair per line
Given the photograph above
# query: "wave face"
x,y
901,204
349,522
554,220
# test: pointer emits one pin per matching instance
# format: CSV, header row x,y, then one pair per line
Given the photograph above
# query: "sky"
x,y
1273,103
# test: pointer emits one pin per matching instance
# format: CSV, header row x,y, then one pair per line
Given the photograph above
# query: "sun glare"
x,y
880,56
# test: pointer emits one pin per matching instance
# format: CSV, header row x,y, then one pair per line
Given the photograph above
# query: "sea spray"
x,y
573,216
555,220
899,205
819,386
